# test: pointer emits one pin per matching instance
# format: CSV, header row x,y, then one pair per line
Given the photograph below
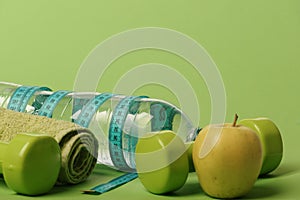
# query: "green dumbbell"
x,y
30,163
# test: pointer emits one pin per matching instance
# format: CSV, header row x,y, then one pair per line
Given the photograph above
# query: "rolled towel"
x,y
79,147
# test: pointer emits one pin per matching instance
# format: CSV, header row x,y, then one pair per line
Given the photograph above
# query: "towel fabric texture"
x,y
79,147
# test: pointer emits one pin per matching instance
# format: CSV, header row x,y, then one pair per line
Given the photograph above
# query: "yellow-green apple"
x,y
161,162
230,164
271,142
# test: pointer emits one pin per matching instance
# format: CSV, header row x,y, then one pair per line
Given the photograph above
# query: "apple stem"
x,y
235,120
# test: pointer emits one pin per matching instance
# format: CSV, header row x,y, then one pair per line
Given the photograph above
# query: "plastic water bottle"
x,y
116,120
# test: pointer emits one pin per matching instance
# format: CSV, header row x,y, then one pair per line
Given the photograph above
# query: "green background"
x,y
254,43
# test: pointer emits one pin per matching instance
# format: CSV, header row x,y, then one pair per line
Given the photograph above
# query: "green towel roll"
x,y
79,147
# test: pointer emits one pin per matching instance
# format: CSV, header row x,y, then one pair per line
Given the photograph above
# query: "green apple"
x,y
271,142
161,162
227,159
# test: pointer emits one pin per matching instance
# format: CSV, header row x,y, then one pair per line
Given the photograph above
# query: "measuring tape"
x,y
116,131
89,110
21,97
100,189
29,94
51,102
17,98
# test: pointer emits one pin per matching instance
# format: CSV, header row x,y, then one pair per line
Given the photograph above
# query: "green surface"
x,y
254,43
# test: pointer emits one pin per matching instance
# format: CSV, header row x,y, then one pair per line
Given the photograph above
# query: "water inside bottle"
x,y
6,91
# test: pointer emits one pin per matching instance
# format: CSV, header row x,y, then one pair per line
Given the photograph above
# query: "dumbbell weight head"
x,y
162,162
31,163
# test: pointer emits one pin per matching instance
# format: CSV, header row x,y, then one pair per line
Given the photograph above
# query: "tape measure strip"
x,y
116,132
29,94
100,189
130,140
51,102
17,98
90,109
